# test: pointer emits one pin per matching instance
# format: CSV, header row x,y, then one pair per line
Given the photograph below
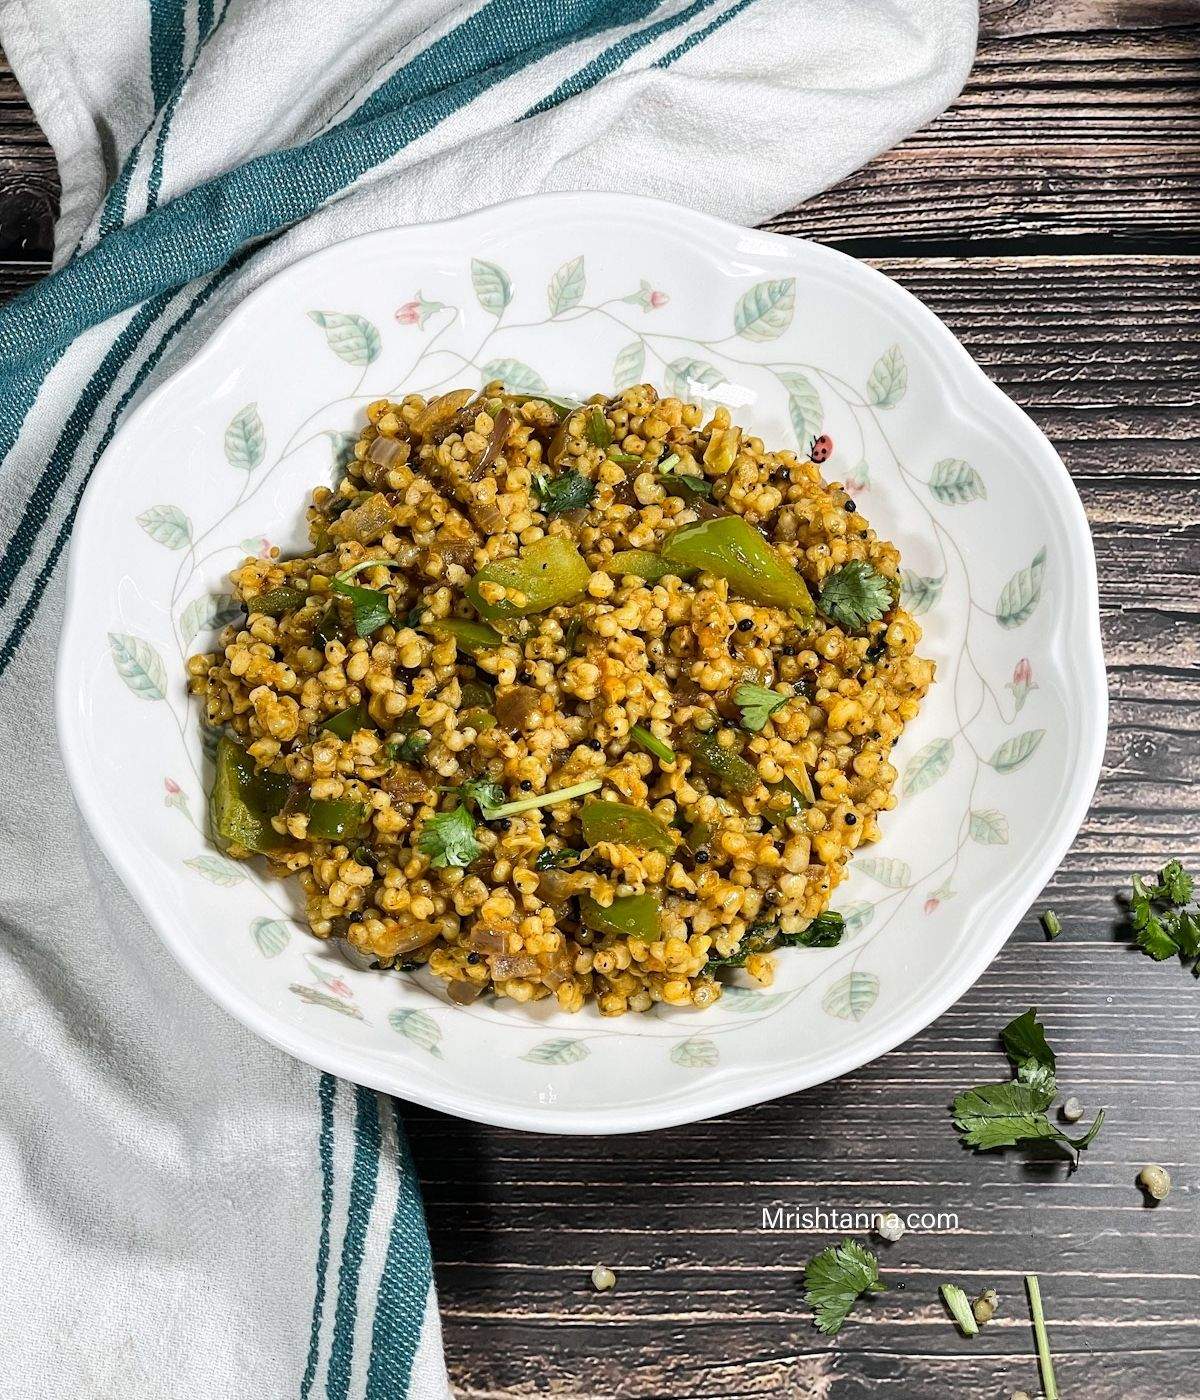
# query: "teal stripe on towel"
x,y
363,1184
403,1286
154,182
619,53
327,1093
701,34
198,231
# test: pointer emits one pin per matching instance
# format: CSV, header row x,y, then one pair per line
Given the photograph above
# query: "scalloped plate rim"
x,y
967,392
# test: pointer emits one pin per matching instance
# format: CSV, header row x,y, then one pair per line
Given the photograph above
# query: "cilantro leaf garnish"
x,y
757,705
410,749
449,839
1016,1111
565,859
570,491
825,931
485,793
836,1278
1163,925
854,595
371,609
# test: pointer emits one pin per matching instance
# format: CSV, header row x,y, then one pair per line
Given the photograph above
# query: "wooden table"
x,y
1052,219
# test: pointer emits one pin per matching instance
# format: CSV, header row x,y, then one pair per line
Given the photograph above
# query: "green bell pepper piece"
x,y
733,550
726,765
242,802
336,819
630,916
625,825
548,572
644,563
346,723
277,601
470,636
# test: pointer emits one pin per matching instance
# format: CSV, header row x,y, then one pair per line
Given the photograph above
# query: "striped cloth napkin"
x,y
188,1212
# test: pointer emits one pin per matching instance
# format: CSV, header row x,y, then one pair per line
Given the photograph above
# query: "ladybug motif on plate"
x,y
821,448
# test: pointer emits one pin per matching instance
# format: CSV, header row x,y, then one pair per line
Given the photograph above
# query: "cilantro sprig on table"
x,y
1163,924
854,595
1016,1110
836,1278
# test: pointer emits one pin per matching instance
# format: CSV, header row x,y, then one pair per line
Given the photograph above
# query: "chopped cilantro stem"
x,y
960,1309
1045,1362
544,799
652,744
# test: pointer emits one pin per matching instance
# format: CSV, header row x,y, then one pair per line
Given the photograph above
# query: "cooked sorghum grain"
x,y
437,491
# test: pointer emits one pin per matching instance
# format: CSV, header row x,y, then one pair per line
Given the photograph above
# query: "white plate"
x,y
585,292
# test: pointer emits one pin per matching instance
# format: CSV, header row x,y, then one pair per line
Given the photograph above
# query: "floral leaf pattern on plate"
x,y
351,338
896,874
1015,751
686,379
566,287
746,1001
562,1050
1021,593
695,1053
852,996
955,482
518,377
926,766
341,447
168,525
245,439
765,311
989,828
210,610
139,666
629,366
271,936
491,284
918,592
314,996
804,407
888,381
217,869
420,1028
857,916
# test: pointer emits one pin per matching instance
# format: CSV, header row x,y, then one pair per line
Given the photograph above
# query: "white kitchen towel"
x,y
188,1212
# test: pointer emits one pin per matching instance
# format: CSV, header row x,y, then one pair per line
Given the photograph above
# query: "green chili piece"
x,y
625,825
725,764
643,563
337,819
479,720
477,695
242,802
470,636
794,804
699,834
644,739
346,723
277,601
596,428
630,916
733,550
548,572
